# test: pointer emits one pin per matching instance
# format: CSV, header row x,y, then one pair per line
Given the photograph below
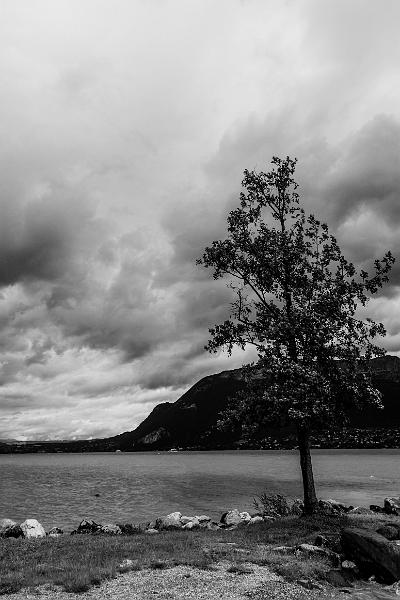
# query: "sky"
x,y
126,126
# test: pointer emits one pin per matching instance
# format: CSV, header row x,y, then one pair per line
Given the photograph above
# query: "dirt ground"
x,y
187,583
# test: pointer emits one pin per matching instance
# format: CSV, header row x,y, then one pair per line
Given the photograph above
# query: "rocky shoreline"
x,y
353,553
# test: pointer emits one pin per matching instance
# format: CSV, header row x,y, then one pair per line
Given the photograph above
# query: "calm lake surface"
x,y
60,489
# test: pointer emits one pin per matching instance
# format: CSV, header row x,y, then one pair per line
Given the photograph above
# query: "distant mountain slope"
x,y
184,423
189,421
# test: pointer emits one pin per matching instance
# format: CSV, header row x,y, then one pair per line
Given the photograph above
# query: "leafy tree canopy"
x,y
295,299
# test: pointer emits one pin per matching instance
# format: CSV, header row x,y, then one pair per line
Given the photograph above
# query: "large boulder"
x,y
234,517
372,552
391,506
9,528
31,528
171,521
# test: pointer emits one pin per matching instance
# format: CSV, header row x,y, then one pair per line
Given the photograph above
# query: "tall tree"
x,y
295,299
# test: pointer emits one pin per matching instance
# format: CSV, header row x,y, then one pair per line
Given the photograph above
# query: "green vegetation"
x,y
78,562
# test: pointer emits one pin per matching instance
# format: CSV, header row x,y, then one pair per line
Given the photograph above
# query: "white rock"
x,y
151,531
32,529
171,521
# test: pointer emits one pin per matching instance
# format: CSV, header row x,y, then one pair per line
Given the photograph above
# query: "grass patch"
x,y
77,563
296,567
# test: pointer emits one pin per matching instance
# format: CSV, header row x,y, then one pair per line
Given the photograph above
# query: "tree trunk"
x,y
310,498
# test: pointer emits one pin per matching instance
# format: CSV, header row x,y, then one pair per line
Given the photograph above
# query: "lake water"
x,y
61,489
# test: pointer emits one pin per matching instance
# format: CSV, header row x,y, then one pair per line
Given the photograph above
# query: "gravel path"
x,y
186,583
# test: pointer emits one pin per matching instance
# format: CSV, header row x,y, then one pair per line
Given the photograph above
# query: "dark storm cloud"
x,y
126,135
366,173
38,241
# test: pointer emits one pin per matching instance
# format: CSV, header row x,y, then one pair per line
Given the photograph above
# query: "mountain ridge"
x,y
189,422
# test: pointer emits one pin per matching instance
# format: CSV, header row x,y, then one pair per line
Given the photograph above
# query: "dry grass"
x,y
78,562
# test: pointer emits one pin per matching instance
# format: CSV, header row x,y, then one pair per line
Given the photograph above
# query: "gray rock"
x,y
231,517
332,507
191,525
391,506
10,529
110,529
88,526
171,521
203,518
151,531
371,548
55,532
5,524
31,528
234,517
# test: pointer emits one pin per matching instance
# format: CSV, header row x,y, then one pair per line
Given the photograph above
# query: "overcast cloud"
x,y
125,127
